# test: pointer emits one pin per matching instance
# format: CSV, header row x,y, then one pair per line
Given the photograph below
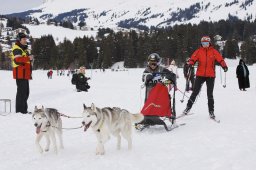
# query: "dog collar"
x,y
47,125
101,123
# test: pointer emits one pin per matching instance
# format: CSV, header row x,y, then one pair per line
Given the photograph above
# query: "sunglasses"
x,y
153,64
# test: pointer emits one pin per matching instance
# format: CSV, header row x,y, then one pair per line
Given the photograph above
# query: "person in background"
x,y
189,74
173,68
242,73
22,71
49,74
80,80
206,56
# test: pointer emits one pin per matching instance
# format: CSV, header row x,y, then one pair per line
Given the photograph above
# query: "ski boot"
x,y
211,114
186,111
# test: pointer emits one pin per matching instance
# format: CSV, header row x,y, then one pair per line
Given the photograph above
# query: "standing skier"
x,y
206,56
173,68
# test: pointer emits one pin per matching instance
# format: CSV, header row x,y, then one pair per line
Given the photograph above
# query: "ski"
x,y
142,127
215,120
182,115
176,126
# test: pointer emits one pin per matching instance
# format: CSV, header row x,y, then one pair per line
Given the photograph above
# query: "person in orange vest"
x,y
206,56
22,70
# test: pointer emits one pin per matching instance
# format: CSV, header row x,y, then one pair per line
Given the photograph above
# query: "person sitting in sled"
x,y
157,98
80,80
154,73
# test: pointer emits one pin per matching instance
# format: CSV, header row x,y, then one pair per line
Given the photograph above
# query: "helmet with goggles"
x,y
154,57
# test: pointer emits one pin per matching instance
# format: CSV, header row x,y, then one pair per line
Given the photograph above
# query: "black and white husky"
x,y
108,121
48,123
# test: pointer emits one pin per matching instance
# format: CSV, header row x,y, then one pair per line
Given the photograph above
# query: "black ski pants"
x,y
192,80
198,84
22,95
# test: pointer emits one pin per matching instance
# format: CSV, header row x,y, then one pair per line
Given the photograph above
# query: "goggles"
x,y
205,44
152,64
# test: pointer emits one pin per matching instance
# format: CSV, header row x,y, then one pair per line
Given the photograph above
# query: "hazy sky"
x,y
12,6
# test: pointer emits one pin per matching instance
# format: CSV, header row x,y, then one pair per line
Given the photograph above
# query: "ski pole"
x,y
173,105
182,100
187,84
186,96
182,93
220,76
225,85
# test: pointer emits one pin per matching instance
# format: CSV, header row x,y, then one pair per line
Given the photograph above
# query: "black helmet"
x,y
21,35
154,57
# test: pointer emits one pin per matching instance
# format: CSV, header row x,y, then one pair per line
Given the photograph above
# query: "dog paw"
x,y
40,150
100,152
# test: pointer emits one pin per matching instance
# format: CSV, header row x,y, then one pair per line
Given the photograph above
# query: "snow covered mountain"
x,y
140,13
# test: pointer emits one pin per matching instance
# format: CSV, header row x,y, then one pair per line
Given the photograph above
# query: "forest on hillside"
x,y
133,47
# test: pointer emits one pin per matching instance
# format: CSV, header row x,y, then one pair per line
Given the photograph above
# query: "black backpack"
x,y
74,79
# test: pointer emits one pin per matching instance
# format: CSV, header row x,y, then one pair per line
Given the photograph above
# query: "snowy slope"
x,y
59,33
109,13
199,145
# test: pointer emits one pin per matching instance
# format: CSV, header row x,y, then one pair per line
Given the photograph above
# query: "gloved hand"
x,y
190,66
225,69
171,77
149,77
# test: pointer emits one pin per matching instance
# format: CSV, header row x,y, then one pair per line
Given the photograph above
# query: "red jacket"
x,y
22,68
206,58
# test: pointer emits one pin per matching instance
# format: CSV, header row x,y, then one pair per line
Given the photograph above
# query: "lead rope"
x,y
68,128
61,114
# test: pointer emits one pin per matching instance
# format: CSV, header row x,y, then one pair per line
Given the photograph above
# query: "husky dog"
x,y
108,121
47,122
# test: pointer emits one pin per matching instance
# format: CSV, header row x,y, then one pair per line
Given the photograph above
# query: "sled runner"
x,y
157,107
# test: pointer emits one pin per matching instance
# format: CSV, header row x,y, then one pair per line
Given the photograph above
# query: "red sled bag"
x,y
158,102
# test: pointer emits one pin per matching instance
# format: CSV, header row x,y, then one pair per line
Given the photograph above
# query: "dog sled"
x,y
158,106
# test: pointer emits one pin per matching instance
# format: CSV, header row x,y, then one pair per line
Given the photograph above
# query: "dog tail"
x,y
136,118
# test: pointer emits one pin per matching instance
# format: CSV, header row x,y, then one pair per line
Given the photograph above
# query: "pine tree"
x,y
45,52
248,51
129,59
107,51
1,58
231,49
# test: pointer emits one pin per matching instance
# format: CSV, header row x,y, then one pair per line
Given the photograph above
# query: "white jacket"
x,y
174,69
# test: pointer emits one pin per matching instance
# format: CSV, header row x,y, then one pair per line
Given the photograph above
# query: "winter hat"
x,y
21,35
206,39
241,61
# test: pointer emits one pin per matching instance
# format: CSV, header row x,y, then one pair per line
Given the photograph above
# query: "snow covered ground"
x,y
199,145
